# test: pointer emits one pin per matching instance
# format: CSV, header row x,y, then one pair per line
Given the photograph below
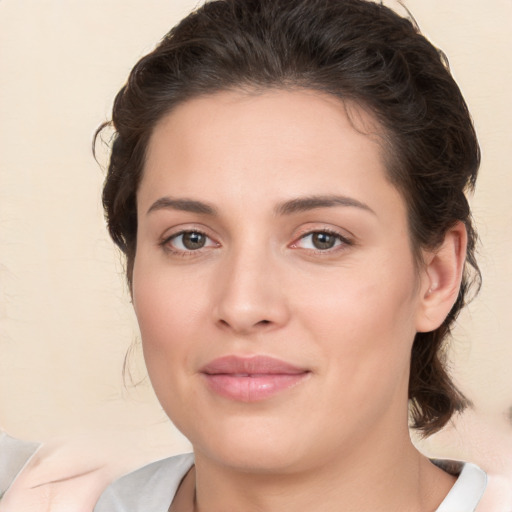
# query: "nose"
x,y
250,296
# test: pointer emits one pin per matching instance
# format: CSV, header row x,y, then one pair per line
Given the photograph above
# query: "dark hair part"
x,y
358,51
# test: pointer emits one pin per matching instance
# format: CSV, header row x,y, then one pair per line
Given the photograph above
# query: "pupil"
x,y
193,240
323,240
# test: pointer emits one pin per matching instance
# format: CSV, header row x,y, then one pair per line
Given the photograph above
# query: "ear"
x,y
441,278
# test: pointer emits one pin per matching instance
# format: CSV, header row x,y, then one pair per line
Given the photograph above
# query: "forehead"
x,y
290,109
266,143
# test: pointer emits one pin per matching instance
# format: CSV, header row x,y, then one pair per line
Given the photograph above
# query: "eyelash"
x,y
344,242
166,245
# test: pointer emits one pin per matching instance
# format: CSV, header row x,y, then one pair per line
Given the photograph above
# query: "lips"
x,y
251,379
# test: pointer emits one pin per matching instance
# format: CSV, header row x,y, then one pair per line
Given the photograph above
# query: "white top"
x,y
152,488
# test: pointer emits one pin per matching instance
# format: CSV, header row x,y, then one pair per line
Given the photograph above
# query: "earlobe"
x,y
441,279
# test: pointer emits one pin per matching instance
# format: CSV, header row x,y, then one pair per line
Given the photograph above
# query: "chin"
x,y
256,445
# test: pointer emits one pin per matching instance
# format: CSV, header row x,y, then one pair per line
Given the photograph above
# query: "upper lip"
x,y
253,365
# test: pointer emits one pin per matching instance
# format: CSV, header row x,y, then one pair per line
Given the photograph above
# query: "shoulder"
x,y
148,489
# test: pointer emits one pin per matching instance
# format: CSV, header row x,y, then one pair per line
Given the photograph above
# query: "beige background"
x,y
65,317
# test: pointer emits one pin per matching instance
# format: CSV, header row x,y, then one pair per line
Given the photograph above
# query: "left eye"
x,y
320,241
190,241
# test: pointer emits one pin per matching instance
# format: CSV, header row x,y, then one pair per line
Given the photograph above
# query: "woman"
x,y
287,182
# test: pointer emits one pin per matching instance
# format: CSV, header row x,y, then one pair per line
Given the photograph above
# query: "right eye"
x,y
188,241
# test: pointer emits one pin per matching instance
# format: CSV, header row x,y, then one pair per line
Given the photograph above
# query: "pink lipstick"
x,y
251,379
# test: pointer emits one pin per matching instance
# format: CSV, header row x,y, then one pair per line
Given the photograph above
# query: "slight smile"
x,y
251,379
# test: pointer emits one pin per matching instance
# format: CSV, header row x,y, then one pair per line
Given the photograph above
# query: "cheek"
x,y
168,314
167,304
168,328
365,333
363,319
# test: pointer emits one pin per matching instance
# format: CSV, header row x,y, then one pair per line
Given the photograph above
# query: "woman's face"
x,y
274,282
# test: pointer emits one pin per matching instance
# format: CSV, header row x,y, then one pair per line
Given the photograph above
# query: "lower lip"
x,y
252,388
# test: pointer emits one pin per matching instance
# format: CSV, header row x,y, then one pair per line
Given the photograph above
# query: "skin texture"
x,y
346,315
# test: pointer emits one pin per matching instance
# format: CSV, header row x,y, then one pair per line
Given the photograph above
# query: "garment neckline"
x,y
467,490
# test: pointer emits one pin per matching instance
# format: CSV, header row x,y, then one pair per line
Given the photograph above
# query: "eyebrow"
x,y
184,205
303,204
300,204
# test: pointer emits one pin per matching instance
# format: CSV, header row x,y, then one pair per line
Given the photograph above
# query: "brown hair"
x,y
355,50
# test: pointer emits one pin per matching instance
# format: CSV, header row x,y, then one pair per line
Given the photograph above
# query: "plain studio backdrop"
x,y
66,320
